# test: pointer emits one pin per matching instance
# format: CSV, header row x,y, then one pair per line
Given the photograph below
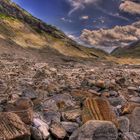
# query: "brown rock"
x,y
11,127
81,94
57,130
100,83
98,109
71,115
23,107
129,107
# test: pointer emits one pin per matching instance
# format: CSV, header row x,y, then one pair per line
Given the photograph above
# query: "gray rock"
x,y
70,126
39,130
50,105
131,136
98,130
135,121
29,93
135,99
113,93
115,101
52,116
124,124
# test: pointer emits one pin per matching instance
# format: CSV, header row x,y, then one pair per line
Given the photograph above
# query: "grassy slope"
x,y
29,32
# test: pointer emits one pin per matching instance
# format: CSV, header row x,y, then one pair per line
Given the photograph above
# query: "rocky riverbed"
x,y
70,101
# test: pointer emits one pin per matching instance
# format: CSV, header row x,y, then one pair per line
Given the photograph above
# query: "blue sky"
x,y
72,16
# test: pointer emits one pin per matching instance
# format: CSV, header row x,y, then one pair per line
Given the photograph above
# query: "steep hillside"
x,y
131,51
26,31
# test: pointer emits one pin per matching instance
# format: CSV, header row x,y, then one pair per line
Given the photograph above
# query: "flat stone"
x,y
98,130
52,116
131,136
71,115
29,93
124,124
94,92
135,99
11,127
115,101
70,126
39,129
57,130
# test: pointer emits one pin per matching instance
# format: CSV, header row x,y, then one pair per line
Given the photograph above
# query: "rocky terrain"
x,y
72,100
51,88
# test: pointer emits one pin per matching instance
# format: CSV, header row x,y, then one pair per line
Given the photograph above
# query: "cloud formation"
x,y
116,37
84,17
80,4
130,6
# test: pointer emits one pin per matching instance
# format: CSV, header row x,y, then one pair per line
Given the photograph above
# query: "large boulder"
x,y
11,127
98,109
96,130
135,121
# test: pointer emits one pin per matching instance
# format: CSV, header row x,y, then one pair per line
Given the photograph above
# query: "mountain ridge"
x,y
16,23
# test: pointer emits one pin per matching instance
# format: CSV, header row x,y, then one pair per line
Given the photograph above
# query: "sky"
x,y
73,16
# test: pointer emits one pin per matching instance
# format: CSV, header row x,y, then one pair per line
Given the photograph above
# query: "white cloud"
x,y
80,4
115,37
130,6
84,17
66,20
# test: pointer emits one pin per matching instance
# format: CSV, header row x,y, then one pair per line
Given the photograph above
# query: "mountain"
x,y
20,30
131,51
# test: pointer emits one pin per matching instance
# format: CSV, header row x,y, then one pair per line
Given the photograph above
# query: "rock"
x,y
113,93
80,95
57,130
135,99
131,89
3,87
98,130
124,124
50,105
52,116
135,121
100,84
63,100
95,92
23,103
39,129
115,101
98,109
131,136
121,81
70,126
11,127
71,115
29,93
23,107
129,107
